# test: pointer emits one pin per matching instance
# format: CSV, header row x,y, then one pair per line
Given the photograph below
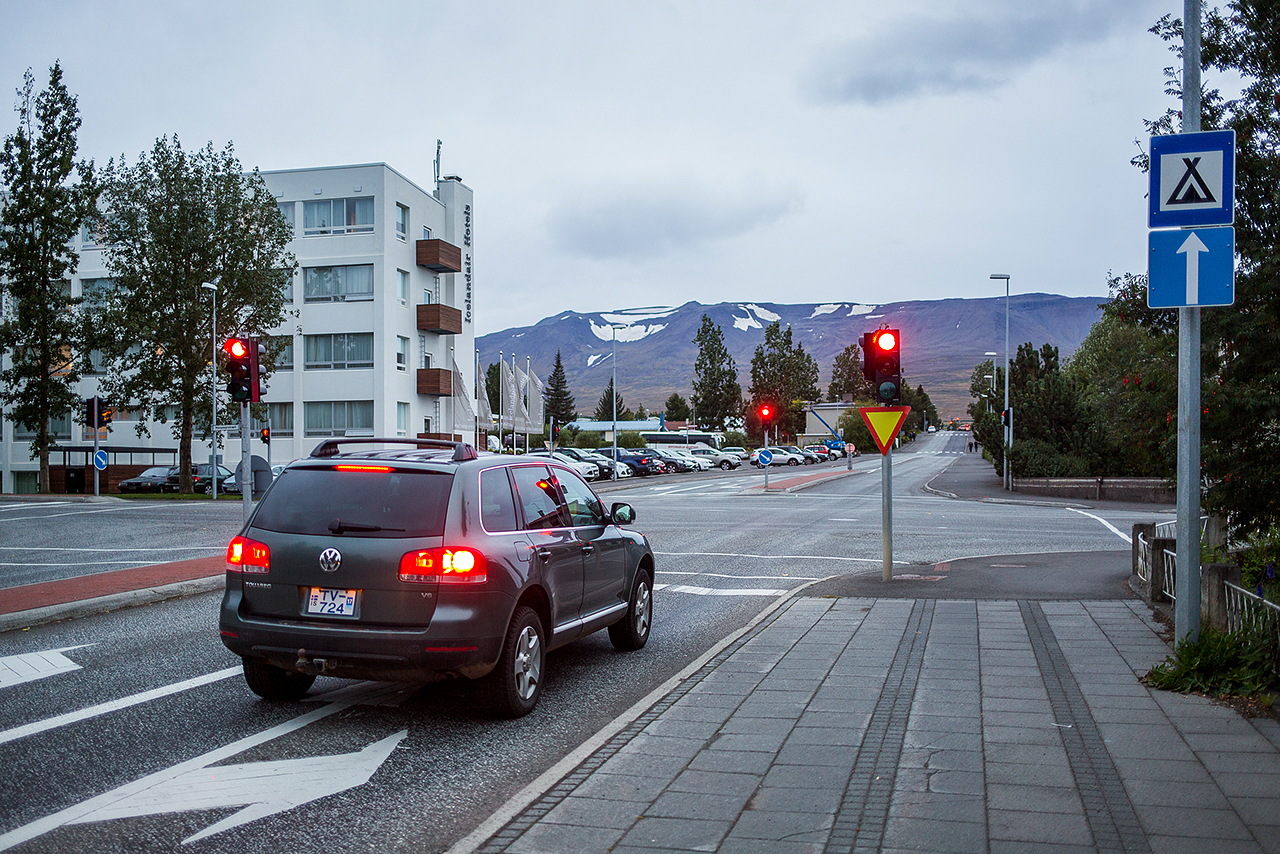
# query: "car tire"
x,y
632,631
208,489
275,683
726,466
793,462
511,689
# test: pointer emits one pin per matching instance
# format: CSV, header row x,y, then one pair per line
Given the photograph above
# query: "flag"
x,y
537,402
464,417
522,409
506,416
482,402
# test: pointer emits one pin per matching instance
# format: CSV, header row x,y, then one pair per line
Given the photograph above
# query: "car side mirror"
x,y
622,514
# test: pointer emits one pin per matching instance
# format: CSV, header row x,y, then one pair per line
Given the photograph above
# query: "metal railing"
x,y
1164,530
1170,573
1248,612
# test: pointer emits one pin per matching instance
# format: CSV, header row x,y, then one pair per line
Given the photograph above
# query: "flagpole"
x,y
500,407
528,396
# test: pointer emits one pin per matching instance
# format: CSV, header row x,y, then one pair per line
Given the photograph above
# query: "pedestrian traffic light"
x,y
886,363
266,435
1004,417
242,369
256,352
105,413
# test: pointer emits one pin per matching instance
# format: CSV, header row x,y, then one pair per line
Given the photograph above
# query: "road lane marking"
x,y
748,577
152,785
114,705
713,591
777,557
1112,528
29,666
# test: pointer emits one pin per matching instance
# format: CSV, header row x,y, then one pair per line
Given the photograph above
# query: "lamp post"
x,y
1008,430
991,354
213,389
614,387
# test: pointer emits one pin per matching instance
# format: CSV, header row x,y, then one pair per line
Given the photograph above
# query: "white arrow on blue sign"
x,y
1191,267
100,460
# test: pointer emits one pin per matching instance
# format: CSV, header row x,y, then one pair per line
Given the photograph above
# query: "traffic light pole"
x,y
246,463
96,432
886,511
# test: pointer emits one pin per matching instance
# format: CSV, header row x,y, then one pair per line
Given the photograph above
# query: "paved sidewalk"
x,y
893,725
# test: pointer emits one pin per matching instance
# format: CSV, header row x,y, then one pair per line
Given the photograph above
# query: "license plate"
x,y
332,603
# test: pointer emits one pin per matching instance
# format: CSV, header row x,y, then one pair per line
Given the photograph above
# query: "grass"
x,y
1218,664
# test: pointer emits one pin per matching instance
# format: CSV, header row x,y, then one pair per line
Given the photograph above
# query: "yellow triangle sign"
x,y
884,422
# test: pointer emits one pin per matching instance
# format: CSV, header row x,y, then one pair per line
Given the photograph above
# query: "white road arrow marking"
x,y
263,788
152,786
1193,246
29,666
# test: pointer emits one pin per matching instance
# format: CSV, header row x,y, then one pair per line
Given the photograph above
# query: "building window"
x,y
402,287
97,366
59,428
337,351
338,418
426,424
402,353
338,284
427,296
402,222
286,211
337,216
424,357
286,285
426,233
402,419
281,417
96,292
284,357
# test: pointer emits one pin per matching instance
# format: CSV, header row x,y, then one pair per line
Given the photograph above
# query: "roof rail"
x,y
461,450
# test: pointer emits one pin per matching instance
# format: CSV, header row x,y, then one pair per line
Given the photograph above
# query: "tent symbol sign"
x,y
1192,179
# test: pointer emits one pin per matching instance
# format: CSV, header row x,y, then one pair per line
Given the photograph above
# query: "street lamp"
x,y
614,387
1008,430
991,354
213,388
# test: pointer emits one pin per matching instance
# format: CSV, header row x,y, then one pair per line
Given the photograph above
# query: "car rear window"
x,y
328,502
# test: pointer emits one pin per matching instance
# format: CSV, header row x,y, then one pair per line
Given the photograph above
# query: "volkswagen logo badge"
x,y
330,560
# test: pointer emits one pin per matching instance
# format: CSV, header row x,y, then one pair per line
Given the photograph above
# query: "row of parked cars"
x,y
165,479
790,455
612,463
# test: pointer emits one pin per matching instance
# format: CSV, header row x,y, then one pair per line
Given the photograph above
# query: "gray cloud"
x,y
976,51
640,223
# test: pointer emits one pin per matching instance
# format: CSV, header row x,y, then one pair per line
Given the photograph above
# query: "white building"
x,y
385,306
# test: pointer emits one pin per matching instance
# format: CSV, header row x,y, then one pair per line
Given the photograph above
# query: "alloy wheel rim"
x,y
642,610
528,663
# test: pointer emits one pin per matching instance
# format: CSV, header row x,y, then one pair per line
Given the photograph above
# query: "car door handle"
x,y
587,548
544,553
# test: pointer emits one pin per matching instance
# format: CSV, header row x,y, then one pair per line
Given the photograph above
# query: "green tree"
x,y
560,404
782,374
172,222
493,387
846,376
922,408
43,336
717,395
855,431
605,407
677,408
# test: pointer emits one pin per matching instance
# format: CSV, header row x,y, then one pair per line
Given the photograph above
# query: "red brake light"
x,y
443,566
246,555
364,468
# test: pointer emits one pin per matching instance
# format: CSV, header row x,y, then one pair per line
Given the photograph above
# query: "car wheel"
x,y
208,489
725,465
511,689
632,631
275,683
793,462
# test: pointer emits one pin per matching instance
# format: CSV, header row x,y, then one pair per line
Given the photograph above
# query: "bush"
x,y
630,439
1037,458
735,439
1220,664
1258,565
587,439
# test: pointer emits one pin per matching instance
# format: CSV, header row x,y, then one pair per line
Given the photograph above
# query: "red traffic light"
x,y
886,340
235,348
765,412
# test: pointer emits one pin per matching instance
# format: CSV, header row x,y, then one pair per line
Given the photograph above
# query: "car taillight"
x,y
246,555
443,566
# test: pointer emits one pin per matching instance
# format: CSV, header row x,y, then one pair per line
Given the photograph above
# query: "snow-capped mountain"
x,y
942,341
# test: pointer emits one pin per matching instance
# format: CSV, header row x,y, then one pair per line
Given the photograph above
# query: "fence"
x,y
1248,612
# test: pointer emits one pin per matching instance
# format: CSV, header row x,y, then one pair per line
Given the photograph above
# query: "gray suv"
x,y
426,562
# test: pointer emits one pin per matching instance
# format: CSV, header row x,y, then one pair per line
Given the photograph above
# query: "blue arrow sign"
x,y
1194,267
765,456
100,460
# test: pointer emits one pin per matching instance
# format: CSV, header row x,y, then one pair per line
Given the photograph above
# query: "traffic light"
x,y
105,413
868,360
266,435
766,414
96,412
885,346
1004,417
242,369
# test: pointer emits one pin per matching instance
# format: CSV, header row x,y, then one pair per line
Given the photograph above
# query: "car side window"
x,y
497,504
584,507
539,499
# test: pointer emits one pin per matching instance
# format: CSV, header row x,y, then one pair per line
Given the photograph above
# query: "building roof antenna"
x,y
437,161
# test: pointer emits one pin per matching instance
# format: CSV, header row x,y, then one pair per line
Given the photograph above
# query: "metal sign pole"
x,y
97,401
1186,609
886,511
246,463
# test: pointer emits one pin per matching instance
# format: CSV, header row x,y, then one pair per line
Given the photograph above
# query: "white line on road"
x,y
776,557
712,591
1112,528
29,666
100,550
749,577
112,706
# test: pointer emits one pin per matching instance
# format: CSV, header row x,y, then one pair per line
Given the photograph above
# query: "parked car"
x,y
154,479
808,457
781,457
742,453
673,460
424,560
201,481
607,466
589,471
639,462
718,459
702,463
822,452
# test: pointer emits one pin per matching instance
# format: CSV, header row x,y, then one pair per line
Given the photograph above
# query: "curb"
x,y
112,602
792,490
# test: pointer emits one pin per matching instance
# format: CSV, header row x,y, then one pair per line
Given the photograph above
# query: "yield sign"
x,y
884,423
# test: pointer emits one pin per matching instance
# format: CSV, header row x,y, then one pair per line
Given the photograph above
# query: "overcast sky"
x,y
632,154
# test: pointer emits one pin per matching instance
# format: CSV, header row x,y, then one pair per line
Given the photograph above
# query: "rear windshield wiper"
x,y
337,526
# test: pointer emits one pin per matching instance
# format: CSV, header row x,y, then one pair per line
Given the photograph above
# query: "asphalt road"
x,y
362,767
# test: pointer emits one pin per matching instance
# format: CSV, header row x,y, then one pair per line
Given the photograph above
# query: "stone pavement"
x,y
893,725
